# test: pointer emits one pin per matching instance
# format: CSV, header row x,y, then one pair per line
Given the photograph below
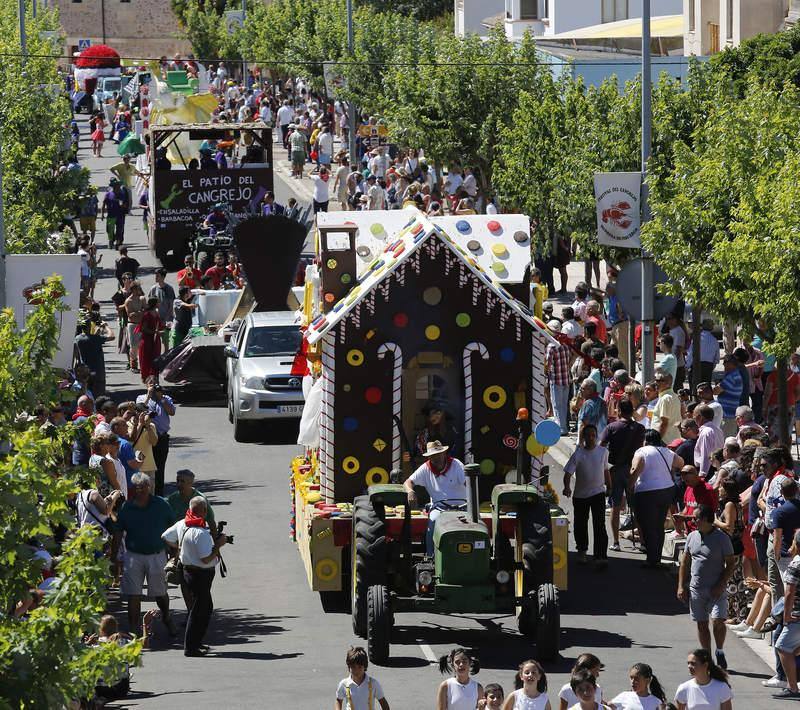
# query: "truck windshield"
x,y
273,340
112,84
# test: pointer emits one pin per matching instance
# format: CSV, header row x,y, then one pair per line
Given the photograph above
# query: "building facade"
x,y
712,25
135,28
544,18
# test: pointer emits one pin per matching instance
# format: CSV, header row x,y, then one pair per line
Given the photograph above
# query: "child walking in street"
x,y
531,688
494,697
459,692
359,691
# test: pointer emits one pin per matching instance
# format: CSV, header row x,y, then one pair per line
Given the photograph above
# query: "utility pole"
x,y
244,61
23,37
34,9
648,324
350,104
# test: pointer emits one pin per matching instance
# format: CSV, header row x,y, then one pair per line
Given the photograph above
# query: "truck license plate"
x,y
290,409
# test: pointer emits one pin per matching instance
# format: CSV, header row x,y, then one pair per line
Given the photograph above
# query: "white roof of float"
x,y
504,252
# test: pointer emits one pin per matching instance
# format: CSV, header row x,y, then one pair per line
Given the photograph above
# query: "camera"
x,y
220,528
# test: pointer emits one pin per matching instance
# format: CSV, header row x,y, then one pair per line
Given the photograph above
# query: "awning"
x,y
661,26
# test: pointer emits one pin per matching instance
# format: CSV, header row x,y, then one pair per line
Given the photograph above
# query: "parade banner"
x,y
617,198
24,273
184,197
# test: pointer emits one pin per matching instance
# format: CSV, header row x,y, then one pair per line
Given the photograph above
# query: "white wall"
x,y
566,15
470,13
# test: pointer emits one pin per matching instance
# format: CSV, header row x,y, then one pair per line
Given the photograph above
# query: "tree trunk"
x,y
783,403
697,315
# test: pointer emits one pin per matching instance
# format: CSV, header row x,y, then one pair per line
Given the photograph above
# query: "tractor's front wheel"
x,y
379,623
368,565
537,547
548,623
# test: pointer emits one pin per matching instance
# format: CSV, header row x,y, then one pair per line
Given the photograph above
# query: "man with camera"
x,y
199,554
161,408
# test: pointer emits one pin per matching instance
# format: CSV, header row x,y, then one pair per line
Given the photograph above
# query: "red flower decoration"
x,y
98,56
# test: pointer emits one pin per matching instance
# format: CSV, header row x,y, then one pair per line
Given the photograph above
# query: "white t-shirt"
x,y
451,485
718,412
568,694
571,328
657,471
122,479
285,115
359,694
325,141
195,543
470,185
703,697
632,701
453,182
321,193
462,697
589,466
524,702
678,341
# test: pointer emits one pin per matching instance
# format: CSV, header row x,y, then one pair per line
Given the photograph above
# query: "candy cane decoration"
x,y
397,376
480,348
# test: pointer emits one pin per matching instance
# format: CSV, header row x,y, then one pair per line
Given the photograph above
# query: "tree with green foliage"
x,y
44,662
34,115
415,9
456,102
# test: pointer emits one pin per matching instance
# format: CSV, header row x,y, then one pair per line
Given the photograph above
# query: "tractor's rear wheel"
x,y
548,623
537,546
379,623
368,559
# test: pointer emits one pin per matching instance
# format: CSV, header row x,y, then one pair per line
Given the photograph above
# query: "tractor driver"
x,y
216,220
444,478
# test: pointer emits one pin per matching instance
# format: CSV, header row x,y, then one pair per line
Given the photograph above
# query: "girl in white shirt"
x,y
584,662
708,688
646,692
459,692
531,692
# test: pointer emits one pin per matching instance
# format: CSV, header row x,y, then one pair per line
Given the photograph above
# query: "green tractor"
x,y
503,563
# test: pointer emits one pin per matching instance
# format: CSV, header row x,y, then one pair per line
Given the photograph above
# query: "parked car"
x,y
108,87
259,364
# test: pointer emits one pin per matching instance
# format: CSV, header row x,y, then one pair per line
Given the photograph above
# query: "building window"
x,y
691,15
729,27
614,10
528,9
546,9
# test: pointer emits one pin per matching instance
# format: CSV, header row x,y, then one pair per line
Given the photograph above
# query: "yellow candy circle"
x,y
432,332
499,249
559,558
377,475
351,465
494,397
534,447
355,357
326,569
331,263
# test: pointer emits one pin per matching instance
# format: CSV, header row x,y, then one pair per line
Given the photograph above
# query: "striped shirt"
x,y
558,357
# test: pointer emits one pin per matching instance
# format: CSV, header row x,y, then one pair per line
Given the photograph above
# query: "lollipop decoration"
x,y
397,376
471,348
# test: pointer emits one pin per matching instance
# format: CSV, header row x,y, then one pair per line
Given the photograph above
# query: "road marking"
x,y
427,651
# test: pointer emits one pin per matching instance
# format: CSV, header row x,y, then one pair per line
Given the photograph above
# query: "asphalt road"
x,y
273,646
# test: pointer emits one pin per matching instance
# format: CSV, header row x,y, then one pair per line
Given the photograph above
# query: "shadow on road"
x,y
247,656
230,627
135,695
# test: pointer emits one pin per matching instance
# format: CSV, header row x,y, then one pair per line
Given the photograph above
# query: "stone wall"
x,y
142,28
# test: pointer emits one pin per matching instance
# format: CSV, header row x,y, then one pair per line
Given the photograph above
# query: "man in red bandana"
x,y
199,554
444,478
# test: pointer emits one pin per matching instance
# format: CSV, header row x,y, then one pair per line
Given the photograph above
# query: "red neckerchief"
x,y
81,413
443,471
193,521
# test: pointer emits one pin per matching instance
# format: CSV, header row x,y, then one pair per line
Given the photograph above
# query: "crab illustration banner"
x,y
617,198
